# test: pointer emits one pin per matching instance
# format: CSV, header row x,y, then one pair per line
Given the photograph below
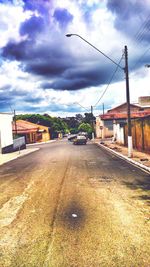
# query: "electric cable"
x,y
109,81
143,29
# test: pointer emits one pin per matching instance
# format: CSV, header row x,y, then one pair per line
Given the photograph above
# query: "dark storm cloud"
x,y
17,51
132,16
38,5
64,71
52,60
46,69
77,79
43,59
62,16
32,26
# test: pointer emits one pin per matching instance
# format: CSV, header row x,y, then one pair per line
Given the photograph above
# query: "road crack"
x,y
46,262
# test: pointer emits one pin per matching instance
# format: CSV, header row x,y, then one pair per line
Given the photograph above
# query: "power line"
x,y
144,28
76,103
109,81
140,58
88,108
81,106
74,34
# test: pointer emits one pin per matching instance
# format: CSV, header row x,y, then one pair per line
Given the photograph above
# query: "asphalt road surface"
x,y
73,206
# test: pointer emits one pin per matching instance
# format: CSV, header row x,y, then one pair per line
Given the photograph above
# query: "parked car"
x,y
80,140
72,137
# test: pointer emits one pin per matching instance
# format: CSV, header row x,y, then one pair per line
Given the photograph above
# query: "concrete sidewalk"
x,y
140,159
41,143
14,155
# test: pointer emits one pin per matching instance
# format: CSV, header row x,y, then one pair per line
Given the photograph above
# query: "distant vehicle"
x,y
80,140
83,134
72,137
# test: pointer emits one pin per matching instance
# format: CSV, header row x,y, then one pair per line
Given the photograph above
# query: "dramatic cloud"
x,y
62,16
130,14
43,70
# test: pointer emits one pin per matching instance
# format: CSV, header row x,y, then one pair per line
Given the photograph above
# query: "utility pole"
x,y
128,104
127,86
92,122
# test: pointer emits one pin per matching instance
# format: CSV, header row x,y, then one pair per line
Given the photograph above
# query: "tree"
x,y
55,124
85,127
89,118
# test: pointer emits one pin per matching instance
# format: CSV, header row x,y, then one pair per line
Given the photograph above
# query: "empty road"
x,y
73,206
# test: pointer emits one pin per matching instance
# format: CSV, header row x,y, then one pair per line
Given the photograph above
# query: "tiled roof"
x,y
124,104
115,116
25,126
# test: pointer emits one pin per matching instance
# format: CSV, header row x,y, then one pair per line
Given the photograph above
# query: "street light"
x,y
125,69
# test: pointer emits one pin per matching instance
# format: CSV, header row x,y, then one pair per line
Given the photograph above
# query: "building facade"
x,y
111,123
6,135
32,132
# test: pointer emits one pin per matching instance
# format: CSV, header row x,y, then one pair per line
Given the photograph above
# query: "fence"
x,y
140,134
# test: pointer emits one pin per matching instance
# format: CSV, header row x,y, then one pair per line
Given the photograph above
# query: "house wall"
x,y
6,135
123,109
140,134
32,132
144,100
45,135
99,123
118,133
106,131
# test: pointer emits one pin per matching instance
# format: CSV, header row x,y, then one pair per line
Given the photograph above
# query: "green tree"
x,y
55,124
88,118
85,127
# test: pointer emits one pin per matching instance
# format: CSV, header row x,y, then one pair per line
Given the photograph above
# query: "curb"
x,y
24,153
131,161
41,143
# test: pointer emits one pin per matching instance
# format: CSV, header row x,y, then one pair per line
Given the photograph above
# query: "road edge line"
x,y
133,162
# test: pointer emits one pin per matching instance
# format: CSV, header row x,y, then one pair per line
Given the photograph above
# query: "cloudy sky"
x,y
43,71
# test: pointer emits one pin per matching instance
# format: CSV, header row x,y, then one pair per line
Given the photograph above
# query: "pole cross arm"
x,y
74,34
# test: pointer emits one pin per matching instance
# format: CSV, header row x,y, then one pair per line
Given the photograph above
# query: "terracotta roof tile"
x,y
115,116
24,126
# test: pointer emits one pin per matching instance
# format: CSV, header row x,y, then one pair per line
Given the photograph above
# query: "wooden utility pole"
x,y
92,122
128,104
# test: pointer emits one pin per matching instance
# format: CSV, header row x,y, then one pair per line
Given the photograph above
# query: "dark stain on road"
x,y
73,217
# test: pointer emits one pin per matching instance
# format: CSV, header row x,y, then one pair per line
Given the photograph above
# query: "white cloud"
x,y
100,32
10,23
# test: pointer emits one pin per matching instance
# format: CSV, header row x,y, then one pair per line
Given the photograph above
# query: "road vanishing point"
x,y
71,205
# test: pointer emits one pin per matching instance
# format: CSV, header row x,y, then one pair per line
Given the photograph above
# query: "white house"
x,y
6,135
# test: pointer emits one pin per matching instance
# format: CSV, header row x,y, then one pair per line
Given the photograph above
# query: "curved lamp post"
x,y
125,69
